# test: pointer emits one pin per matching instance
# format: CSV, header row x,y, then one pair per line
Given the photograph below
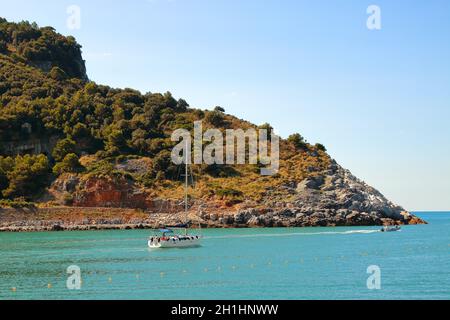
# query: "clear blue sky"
x,y
379,100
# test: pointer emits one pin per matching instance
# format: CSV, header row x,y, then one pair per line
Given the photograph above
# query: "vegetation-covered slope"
x,y
87,118
67,140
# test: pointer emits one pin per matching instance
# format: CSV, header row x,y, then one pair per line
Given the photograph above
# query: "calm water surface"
x,y
294,263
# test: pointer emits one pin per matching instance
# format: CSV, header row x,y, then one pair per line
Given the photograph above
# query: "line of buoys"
x,y
219,268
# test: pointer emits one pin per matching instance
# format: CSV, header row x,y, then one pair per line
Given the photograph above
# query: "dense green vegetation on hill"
x,y
42,47
45,92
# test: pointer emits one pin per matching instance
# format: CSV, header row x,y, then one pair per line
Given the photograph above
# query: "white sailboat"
x,y
168,239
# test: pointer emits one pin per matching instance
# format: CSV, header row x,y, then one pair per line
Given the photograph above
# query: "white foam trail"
x,y
293,234
361,231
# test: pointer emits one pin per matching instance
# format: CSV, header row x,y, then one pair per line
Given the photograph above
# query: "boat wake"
x,y
293,234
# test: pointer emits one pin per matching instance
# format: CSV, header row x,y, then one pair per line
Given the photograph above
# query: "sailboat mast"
x,y
186,188
186,181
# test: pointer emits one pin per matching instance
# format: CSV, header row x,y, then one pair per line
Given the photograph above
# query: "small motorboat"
x,y
390,228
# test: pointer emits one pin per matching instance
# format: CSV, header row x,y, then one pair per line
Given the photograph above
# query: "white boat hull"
x,y
175,242
390,229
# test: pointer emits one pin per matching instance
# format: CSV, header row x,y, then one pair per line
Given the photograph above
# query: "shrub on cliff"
x,y
320,147
29,176
70,164
3,46
116,143
215,118
6,165
63,148
102,168
297,141
228,193
223,171
16,204
163,167
57,74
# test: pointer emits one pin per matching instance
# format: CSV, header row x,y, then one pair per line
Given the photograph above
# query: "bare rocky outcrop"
x,y
32,145
107,192
334,197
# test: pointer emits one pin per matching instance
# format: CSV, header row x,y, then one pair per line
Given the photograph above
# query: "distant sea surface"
x,y
293,263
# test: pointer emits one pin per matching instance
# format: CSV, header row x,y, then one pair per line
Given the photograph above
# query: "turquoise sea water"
x,y
294,263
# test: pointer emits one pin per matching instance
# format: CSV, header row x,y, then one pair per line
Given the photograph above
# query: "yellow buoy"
x,y
162,274
13,289
49,285
109,279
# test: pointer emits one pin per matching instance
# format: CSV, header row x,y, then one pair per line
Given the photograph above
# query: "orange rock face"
x,y
104,192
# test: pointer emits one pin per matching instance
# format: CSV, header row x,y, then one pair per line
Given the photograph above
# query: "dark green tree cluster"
x,y
23,176
298,141
42,47
215,118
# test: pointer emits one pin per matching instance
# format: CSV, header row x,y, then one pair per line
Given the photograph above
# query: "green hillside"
x,y
55,123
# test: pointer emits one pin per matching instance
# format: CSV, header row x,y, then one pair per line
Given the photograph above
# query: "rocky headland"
x,y
335,198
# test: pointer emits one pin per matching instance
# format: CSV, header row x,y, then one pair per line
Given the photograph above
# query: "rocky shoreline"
x,y
128,219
